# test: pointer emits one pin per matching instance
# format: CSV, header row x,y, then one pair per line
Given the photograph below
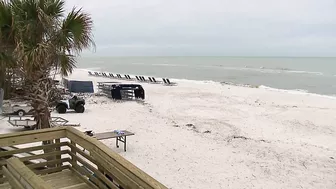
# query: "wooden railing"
x,y
20,176
68,148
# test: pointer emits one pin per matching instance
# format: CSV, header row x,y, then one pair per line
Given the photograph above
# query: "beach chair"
x,y
129,77
168,82
137,78
154,80
150,79
104,74
90,73
96,73
111,75
143,78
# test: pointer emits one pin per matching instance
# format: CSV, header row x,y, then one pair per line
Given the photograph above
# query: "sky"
x,y
212,27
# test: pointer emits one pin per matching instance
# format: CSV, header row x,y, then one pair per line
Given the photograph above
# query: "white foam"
x,y
296,91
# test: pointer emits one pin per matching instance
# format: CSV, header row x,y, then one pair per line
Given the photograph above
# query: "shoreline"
x,y
292,91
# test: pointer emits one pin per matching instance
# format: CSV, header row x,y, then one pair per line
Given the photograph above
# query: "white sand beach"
x,y
207,135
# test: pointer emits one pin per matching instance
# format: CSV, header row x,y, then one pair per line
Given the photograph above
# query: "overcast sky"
x,y
213,27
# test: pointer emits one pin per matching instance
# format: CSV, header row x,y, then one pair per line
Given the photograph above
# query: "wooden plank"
x,y
29,149
91,159
118,175
58,148
45,155
51,170
114,161
93,178
97,173
31,136
78,186
27,177
82,153
11,148
83,178
11,179
108,135
61,174
48,163
63,179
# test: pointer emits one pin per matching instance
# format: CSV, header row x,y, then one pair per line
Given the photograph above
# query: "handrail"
x,y
25,176
32,136
100,151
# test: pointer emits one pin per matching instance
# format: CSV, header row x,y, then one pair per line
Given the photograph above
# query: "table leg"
x,y
117,142
125,144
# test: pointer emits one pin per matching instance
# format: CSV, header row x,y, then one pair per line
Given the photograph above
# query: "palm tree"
x,y
7,45
46,39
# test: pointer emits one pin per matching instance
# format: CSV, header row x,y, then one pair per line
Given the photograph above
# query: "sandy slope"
x,y
205,135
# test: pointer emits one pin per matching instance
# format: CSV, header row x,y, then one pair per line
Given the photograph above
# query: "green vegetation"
x,y
37,38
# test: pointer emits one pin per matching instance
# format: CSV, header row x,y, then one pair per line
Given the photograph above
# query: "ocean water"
x,y
313,75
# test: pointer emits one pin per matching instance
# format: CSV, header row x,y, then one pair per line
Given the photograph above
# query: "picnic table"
x,y
120,136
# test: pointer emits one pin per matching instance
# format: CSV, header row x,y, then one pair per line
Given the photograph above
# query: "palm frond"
x,y
54,8
67,63
77,31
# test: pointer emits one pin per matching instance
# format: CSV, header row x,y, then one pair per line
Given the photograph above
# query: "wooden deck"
x,y
65,179
66,165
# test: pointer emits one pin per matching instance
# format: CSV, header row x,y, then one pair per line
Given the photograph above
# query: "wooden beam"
x,y
45,155
51,170
31,136
47,163
29,149
26,177
11,179
58,148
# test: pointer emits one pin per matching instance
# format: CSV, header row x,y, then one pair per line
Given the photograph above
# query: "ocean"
x,y
313,75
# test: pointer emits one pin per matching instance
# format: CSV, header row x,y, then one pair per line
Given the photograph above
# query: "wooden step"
x,y
62,174
78,186
64,179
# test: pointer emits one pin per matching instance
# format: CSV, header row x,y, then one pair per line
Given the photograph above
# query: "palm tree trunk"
x,y
40,95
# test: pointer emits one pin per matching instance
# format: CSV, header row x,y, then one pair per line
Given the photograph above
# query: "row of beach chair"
x,y
165,81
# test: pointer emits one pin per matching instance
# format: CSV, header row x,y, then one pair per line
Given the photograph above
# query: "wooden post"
x,y
73,150
58,141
